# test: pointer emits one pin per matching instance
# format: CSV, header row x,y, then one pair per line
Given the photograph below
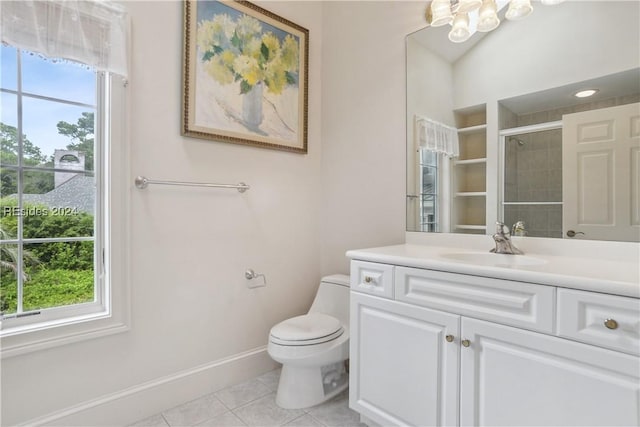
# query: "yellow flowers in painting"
x,y
239,50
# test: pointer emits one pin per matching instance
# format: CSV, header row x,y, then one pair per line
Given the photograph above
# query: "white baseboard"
x,y
143,400
369,422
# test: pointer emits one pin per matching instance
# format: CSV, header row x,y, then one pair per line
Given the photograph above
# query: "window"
x,y
429,218
63,248
435,143
50,227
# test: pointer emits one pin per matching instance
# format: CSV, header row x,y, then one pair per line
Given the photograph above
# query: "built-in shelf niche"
x,y
469,177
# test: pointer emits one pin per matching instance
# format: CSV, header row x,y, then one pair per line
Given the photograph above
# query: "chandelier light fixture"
x,y
468,16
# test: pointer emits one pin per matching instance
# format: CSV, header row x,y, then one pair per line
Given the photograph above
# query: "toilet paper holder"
x,y
250,275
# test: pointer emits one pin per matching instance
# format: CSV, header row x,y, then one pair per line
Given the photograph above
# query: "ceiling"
x,y
611,86
436,40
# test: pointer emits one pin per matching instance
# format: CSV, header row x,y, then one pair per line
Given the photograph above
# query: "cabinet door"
x,y
512,377
403,371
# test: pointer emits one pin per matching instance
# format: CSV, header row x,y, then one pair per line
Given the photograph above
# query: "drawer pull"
x,y
449,338
466,343
368,279
611,324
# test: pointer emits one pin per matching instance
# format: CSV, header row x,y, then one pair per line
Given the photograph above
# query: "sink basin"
x,y
494,260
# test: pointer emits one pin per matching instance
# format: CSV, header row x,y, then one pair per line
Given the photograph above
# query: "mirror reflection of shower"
x,y
532,180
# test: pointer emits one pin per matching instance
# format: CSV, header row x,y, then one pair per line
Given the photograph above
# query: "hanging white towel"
x,y
434,136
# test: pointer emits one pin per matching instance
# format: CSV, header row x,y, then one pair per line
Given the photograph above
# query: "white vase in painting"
x,y
252,106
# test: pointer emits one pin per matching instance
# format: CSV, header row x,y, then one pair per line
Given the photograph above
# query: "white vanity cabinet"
x,y
403,371
452,349
511,377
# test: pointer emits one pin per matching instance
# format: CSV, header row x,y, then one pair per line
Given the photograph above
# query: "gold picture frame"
x,y
245,75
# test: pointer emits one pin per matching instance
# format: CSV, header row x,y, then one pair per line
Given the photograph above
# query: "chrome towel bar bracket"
x,y
143,182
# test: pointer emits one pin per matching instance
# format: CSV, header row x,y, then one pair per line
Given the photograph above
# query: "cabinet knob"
x,y
611,324
449,338
466,343
368,279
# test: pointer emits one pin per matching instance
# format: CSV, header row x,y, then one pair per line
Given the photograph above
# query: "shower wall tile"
x,y
508,119
555,195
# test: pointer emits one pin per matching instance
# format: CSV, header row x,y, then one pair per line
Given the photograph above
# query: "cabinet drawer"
x,y
604,320
372,278
519,304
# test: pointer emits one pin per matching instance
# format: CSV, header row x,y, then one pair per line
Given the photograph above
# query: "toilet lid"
x,y
312,328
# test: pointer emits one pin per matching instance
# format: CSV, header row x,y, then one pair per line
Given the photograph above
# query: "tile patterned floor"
x,y
253,403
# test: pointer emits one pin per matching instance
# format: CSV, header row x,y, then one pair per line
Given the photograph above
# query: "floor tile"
x,y
240,394
194,412
270,379
265,412
228,419
154,421
336,412
304,421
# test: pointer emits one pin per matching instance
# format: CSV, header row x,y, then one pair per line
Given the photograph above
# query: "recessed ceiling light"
x,y
585,93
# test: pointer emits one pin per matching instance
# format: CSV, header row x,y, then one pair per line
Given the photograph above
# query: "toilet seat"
x,y
308,329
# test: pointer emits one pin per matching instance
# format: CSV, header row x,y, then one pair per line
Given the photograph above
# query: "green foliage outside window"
x,y
54,274
47,288
35,182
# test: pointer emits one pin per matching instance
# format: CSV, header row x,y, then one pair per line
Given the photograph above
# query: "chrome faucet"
x,y
504,245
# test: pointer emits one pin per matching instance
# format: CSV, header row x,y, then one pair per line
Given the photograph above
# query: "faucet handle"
x,y
519,229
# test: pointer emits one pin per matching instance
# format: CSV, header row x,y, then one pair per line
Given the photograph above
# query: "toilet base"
x,y
303,387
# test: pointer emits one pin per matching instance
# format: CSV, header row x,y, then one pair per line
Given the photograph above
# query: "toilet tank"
x,y
333,297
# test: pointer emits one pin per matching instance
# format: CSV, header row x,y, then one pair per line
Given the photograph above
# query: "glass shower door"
x,y
532,181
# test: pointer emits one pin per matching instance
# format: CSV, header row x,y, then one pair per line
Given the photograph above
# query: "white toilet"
x,y
313,348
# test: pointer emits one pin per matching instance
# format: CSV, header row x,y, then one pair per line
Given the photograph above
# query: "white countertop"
x,y
606,275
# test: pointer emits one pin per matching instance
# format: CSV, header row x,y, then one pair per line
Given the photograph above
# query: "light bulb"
x,y
585,93
460,31
439,13
488,16
518,9
466,6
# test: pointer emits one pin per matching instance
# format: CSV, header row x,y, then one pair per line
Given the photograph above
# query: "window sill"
x,y
21,340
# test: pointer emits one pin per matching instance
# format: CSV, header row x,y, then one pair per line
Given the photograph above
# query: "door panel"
x,y
595,188
514,377
403,371
600,173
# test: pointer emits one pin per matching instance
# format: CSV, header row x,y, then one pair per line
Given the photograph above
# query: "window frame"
x,y
21,318
111,313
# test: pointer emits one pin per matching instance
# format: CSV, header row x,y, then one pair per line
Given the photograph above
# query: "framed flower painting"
x,y
245,76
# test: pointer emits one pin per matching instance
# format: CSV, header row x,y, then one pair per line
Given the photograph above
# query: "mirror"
x,y
509,93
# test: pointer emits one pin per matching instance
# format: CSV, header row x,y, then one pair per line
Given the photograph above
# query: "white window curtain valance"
x,y
434,136
91,32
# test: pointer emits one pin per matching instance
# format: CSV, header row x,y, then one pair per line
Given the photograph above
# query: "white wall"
x,y
431,81
190,306
510,56
190,247
363,125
